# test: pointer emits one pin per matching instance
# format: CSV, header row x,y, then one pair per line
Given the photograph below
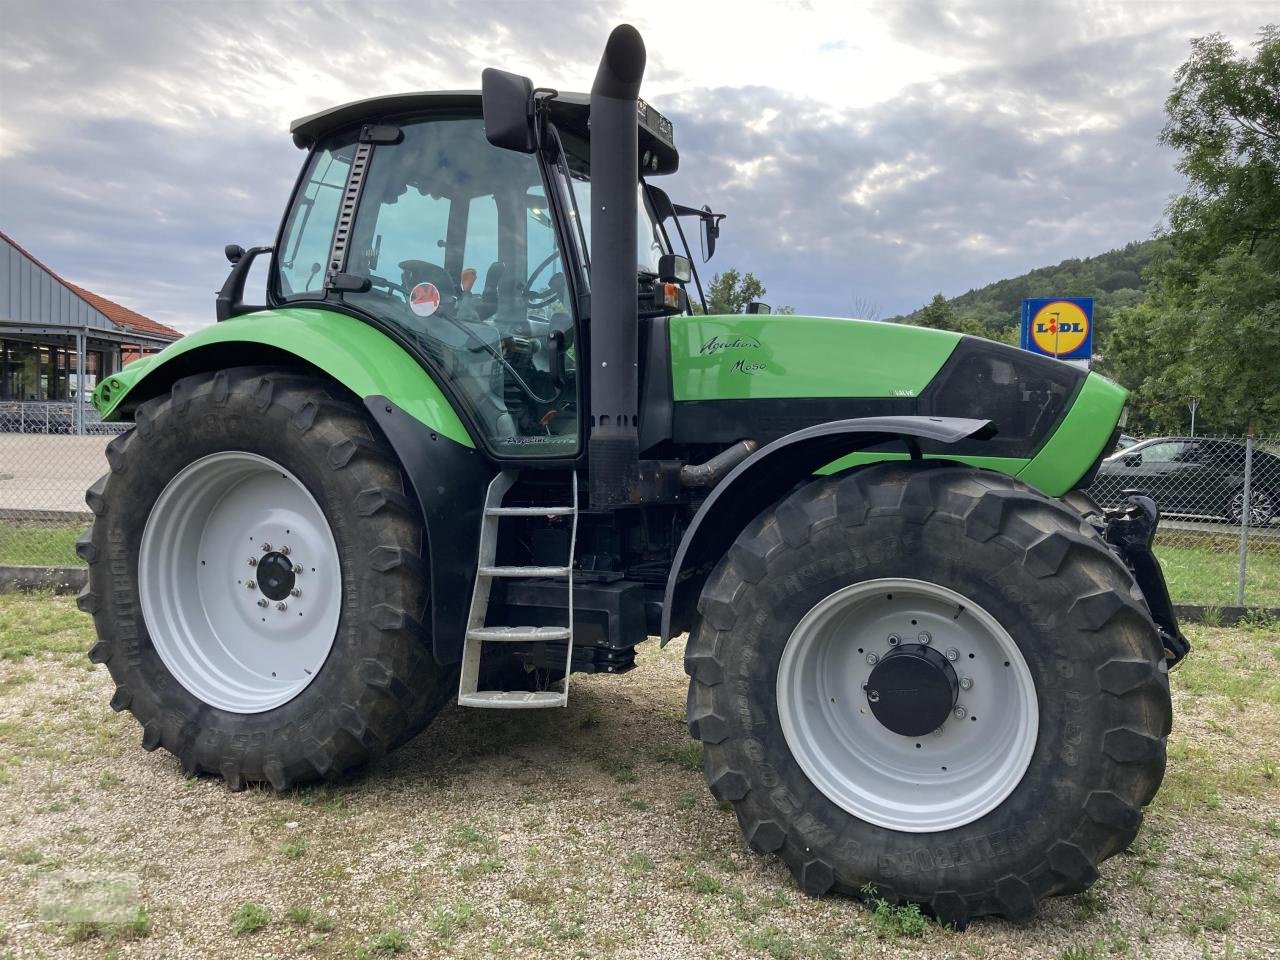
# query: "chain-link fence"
x,y
1219,539
45,467
1219,536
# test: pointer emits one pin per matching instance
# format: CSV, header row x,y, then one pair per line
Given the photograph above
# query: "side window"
x,y
545,285
309,233
480,251
409,227
1166,452
459,247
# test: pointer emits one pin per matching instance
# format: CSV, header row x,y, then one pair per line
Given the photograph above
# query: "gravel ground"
x,y
585,832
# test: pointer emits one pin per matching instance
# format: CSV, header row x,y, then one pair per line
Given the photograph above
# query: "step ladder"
x,y
469,694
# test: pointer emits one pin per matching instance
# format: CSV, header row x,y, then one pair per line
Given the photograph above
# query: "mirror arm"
x,y
230,302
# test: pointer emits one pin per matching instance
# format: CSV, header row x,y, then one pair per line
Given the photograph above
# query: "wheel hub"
x,y
275,576
912,690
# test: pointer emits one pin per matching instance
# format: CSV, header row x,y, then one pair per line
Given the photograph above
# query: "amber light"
x,y
671,295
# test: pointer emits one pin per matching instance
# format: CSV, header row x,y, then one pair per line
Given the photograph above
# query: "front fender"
x,y
361,358
767,475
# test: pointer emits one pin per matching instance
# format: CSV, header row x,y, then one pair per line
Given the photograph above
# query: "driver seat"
x,y
489,296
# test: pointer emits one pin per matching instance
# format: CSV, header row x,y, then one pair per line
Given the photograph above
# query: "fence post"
x,y
1244,520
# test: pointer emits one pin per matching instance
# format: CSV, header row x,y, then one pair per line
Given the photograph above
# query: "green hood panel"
x,y
361,358
744,357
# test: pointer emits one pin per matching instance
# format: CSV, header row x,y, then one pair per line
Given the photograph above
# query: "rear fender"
x,y
765,476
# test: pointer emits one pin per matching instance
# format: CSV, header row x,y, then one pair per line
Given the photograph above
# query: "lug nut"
x,y
924,638
873,696
894,639
960,712
262,602
938,732
872,659
253,561
285,549
966,683
280,605
297,568
295,592
266,547
953,654
251,585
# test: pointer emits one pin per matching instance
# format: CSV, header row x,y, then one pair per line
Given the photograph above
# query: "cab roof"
x,y
569,111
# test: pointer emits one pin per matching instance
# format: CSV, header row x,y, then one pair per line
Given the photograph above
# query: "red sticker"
x,y
424,299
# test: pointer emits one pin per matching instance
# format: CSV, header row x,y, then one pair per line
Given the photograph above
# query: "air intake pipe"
x,y
613,450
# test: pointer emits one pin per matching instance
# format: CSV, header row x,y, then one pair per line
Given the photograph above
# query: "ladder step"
x,y
513,700
518,633
524,571
529,511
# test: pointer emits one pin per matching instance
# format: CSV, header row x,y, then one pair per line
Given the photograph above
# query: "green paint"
x,y
355,354
746,357
1079,438
1009,465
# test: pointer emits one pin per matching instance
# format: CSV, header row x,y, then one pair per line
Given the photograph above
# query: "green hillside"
x,y
1114,279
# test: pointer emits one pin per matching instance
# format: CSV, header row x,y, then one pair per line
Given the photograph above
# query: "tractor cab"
x,y
473,255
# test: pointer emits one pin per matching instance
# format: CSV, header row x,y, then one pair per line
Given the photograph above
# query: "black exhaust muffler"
x,y
613,451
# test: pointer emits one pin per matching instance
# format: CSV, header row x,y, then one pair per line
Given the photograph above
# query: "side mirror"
x,y
673,268
508,120
710,233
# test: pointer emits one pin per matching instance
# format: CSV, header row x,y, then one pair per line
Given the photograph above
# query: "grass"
x,y
39,545
1207,573
34,623
137,926
892,921
249,918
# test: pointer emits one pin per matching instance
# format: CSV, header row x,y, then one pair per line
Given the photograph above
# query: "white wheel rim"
x,y
198,568
954,776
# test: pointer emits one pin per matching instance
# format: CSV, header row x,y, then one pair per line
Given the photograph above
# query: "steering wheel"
x,y
550,295
392,287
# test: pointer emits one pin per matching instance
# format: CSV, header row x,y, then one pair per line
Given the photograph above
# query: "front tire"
x,y
977,561
257,583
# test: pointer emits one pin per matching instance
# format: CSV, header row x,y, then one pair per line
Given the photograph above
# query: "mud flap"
x,y
1130,531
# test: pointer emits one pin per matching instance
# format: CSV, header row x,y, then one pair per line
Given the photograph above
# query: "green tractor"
x,y
478,439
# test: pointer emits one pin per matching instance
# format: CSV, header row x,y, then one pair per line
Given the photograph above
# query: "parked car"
x,y
1202,476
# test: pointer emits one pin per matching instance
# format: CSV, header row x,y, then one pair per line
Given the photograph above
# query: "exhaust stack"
x,y
614,446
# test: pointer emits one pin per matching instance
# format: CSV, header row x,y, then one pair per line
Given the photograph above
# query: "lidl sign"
x,y
1059,327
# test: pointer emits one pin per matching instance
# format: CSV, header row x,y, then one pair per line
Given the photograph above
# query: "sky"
x,y
867,155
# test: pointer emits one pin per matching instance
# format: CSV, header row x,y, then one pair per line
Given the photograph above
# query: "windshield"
x,y
650,240
456,240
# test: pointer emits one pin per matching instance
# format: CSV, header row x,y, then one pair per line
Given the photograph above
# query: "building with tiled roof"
x,y
57,339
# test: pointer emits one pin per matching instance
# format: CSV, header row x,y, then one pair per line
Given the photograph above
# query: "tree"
x,y
939,314
730,292
1207,327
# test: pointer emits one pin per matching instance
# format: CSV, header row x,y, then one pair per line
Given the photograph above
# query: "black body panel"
x,y
768,474
450,482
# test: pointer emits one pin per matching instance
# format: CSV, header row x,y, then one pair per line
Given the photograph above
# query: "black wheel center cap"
x,y
275,576
912,690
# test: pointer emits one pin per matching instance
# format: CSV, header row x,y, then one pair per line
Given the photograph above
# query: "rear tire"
x,y
1262,507
371,683
1031,563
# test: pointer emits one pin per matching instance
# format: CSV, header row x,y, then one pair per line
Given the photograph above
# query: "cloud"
x,y
880,152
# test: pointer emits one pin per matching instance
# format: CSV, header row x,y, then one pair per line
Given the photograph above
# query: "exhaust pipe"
x,y
613,450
